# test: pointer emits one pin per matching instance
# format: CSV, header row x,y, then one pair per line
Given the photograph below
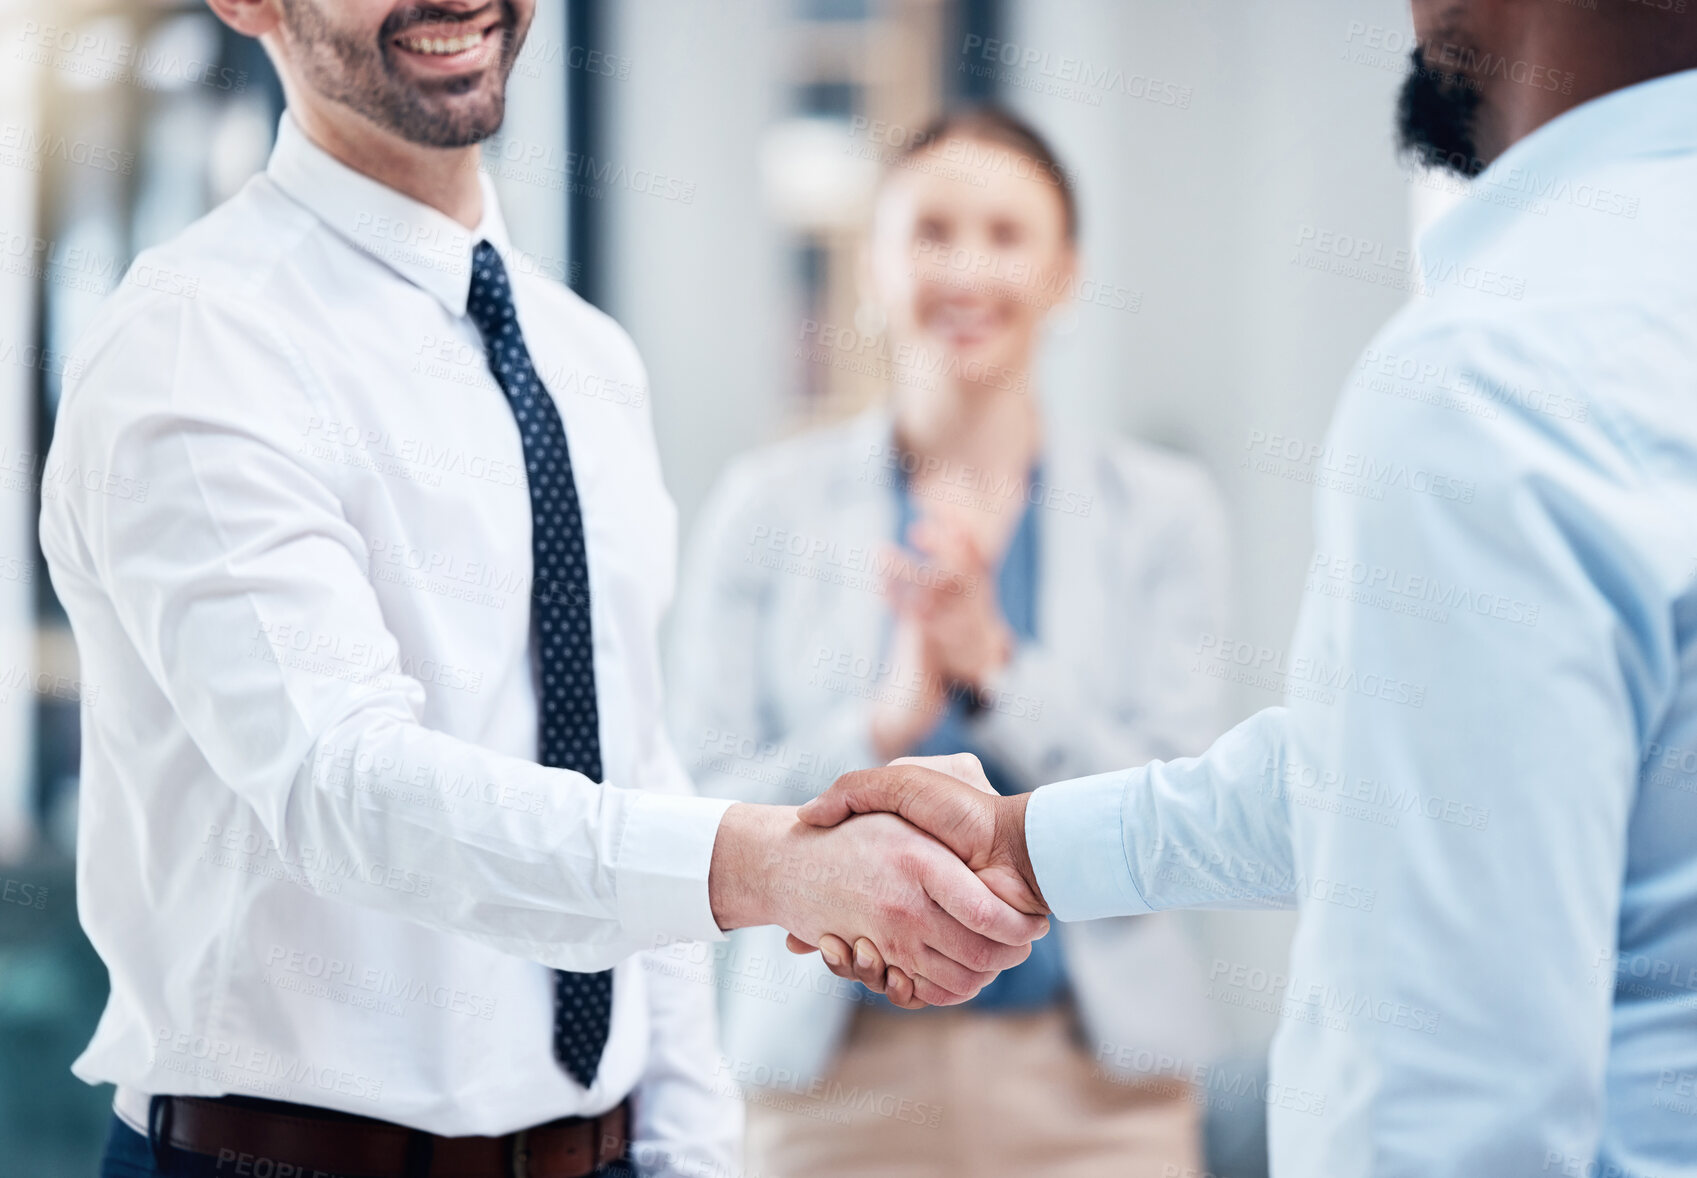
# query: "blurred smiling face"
x,y
969,252
434,74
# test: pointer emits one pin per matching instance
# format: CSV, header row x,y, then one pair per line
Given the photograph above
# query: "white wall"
x,y
1200,210
700,283
536,118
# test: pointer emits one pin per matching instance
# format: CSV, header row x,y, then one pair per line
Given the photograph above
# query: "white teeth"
x,y
960,318
442,46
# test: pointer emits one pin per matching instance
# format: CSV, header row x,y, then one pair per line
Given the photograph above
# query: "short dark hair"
x,y
995,124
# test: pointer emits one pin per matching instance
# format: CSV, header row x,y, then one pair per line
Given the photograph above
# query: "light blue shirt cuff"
x,y
1075,834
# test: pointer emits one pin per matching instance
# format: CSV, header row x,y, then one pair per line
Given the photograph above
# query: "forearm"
x,y
538,862
1204,832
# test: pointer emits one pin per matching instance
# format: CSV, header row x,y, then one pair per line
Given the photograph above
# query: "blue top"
x,y
1481,793
1040,980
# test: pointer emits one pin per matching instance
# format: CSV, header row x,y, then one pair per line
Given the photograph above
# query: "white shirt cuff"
x,y
1075,835
661,869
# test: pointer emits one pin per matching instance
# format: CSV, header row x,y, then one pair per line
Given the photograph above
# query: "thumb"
x,y
954,812
861,792
869,790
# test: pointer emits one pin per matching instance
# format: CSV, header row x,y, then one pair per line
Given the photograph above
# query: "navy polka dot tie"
x,y
559,617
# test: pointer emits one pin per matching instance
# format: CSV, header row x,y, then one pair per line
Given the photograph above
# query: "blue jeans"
x,y
128,1155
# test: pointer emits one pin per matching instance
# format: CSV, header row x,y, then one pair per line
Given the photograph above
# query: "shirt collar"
x,y
1651,118
424,246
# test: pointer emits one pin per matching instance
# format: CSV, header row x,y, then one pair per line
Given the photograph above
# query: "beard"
x,y
1437,119
364,77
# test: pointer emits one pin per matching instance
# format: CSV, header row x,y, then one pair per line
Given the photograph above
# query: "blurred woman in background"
x,y
950,571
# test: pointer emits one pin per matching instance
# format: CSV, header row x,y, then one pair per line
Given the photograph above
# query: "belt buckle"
x,y
521,1154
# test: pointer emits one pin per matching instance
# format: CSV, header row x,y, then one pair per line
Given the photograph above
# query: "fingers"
x,y
869,968
835,951
958,815
866,965
846,965
983,925
948,975
929,993
936,960
900,990
860,792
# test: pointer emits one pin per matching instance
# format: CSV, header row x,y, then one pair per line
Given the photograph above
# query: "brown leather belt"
x,y
291,1141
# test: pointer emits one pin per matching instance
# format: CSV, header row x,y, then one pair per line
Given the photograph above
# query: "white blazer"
x,y
780,646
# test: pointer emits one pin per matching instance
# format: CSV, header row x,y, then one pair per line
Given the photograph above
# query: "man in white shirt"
x,y
378,794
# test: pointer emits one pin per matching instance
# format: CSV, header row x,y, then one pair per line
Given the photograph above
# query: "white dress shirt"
x,y
292,530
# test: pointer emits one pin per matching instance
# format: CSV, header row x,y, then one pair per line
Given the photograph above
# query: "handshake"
x,y
912,879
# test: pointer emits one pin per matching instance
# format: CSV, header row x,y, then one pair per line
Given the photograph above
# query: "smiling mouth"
x,y
442,46
452,45
964,324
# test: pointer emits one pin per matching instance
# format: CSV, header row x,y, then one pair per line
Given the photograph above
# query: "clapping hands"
x,y
949,629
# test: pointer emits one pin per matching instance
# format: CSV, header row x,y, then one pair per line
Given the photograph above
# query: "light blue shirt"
x,y
1481,793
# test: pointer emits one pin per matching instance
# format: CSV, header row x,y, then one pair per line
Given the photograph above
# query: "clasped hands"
x,y
912,879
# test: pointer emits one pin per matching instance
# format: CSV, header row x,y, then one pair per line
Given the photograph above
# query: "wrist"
x,y
745,851
1009,842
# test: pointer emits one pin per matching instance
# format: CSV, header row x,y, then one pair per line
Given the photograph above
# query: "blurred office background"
x,y
699,168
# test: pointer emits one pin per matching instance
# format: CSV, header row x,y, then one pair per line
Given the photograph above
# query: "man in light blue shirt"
x,y
1481,793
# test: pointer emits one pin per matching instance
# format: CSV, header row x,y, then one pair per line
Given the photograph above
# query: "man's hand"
x,y
875,879
950,798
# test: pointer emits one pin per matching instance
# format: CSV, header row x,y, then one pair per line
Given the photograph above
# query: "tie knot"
x,y
490,303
